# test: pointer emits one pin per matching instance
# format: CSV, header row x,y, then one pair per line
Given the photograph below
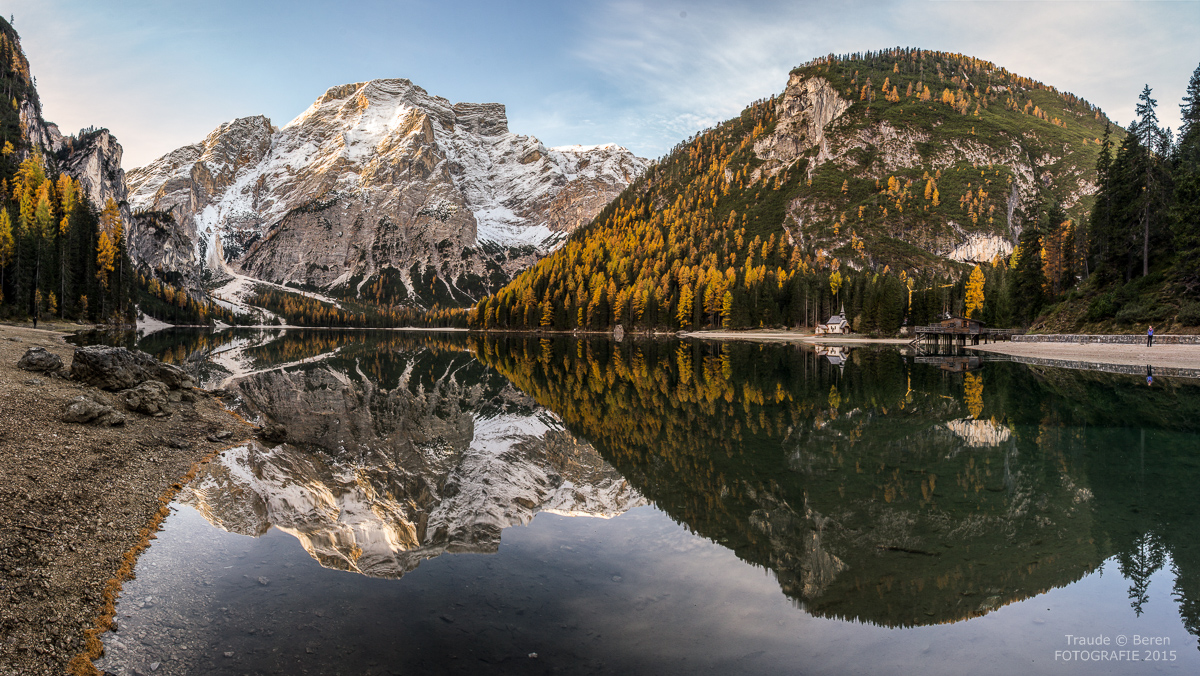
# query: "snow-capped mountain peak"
x,y
377,175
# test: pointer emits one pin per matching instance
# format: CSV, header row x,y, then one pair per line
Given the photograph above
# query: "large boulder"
x,y
40,359
150,398
87,411
116,368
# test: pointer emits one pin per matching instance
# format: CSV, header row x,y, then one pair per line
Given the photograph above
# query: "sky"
x,y
161,74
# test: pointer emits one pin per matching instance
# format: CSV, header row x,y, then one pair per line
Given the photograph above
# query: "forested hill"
x,y
872,179
49,234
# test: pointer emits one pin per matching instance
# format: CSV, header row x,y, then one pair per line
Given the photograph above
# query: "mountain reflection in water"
x,y
878,487
397,455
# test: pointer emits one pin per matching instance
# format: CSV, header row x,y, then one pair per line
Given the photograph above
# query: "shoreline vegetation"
x,y
78,502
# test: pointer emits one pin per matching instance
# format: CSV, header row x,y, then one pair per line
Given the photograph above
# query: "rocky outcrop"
x,y
95,161
808,107
149,398
88,411
375,176
980,248
39,359
830,126
118,368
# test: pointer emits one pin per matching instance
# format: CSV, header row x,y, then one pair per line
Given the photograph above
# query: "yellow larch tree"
x,y
726,308
106,255
684,312
975,292
7,246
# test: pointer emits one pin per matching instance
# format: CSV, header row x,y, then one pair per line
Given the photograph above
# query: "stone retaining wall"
x,y
1136,339
1128,369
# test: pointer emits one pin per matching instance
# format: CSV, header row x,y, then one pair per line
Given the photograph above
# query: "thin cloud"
x,y
682,73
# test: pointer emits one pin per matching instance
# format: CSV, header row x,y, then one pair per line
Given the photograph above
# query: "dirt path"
x,y
75,498
1159,356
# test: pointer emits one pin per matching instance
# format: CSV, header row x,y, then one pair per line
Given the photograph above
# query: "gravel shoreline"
x,y
77,502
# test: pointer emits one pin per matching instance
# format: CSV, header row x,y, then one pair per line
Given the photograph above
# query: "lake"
x,y
454,503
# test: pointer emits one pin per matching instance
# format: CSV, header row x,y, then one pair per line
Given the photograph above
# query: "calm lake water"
x,y
447,503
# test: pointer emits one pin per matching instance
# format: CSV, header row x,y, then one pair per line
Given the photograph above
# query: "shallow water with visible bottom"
x,y
465,504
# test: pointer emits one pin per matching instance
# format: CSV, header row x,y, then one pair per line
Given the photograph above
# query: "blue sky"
x,y
163,73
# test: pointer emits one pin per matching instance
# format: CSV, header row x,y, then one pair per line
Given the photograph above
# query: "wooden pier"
x,y
960,331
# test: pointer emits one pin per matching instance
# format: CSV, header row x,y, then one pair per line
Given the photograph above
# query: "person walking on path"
x,y
1150,336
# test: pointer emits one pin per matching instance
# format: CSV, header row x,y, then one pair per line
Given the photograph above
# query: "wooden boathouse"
x,y
960,331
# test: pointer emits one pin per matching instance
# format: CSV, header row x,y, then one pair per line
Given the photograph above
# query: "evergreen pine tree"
x,y
1186,210
1027,276
1147,122
1188,154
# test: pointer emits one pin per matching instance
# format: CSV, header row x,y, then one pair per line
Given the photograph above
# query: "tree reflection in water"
x,y
876,488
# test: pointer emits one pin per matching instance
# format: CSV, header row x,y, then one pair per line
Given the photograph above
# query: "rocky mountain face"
x,y
993,145
376,182
380,472
94,159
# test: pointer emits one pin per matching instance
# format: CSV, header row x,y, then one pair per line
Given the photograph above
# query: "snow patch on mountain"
x,y
381,174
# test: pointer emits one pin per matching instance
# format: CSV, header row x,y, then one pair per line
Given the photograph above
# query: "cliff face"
x,y
95,161
373,177
807,107
93,157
